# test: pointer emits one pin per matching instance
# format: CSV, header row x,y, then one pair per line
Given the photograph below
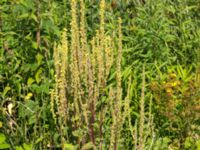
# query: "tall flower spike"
x,y
111,103
83,45
119,55
63,84
102,12
119,88
101,61
141,128
75,56
117,106
118,74
108,56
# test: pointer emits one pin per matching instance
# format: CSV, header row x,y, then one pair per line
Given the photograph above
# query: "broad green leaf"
x,y
70,147
4,146
198,144
29,107
30,81
188,143
19,148
27,146
2,138
34,45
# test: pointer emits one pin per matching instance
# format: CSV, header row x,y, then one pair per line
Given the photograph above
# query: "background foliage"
x,y
162,34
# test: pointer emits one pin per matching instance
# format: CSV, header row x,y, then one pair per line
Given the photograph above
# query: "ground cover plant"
x,y
100,74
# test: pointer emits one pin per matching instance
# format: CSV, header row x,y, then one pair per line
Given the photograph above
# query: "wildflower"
x,y
174,84
28,96
172,75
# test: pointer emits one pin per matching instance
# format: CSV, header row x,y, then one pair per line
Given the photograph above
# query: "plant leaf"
x,y
2,138
87,146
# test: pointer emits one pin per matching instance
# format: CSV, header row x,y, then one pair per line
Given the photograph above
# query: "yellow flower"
x,y
28,96
172,75
174,84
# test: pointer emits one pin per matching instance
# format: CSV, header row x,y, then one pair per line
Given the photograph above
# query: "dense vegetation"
x,y
100,74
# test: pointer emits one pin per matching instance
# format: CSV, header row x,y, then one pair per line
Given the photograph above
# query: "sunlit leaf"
x,y
38,75
30,81
70,147
2,138
5,91
4,146
27,146
39,58
19,148
87,146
